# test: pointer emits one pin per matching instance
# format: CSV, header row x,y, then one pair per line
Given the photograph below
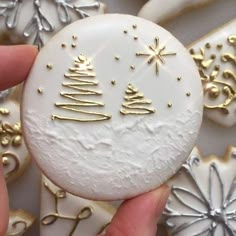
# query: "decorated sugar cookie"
x,y
19,222
215,56
36,21
160,11
203,196
64,214
14,154
112,107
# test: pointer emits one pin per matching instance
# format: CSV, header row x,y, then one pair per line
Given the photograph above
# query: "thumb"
x,y
4,206
139,216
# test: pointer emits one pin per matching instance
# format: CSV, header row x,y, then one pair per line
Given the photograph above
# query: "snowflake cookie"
x,y
203,197
19,222
65,214
35,21
215,56
169,9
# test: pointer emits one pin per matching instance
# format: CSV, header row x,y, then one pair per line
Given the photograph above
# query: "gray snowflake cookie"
x,y
35,21
203,197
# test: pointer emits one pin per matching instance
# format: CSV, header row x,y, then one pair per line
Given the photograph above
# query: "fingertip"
x,y
4,205
138,216
15,64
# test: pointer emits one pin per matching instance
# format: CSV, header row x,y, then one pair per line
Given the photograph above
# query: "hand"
x,y
135,217
15,64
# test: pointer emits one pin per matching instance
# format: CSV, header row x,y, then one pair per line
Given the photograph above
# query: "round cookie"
x,y
112,107
36,21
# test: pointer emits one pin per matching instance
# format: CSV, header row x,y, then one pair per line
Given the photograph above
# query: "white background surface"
x,y
25,192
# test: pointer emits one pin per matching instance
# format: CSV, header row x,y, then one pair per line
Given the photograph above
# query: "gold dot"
x,y
5,161
74,37
192,51
73,45
179,78
117,58
219,46
135,38
40,90
208,45
188,94
132,67
49,66
126,31
169,105
213,56
53,117
134,26
63,45
113,82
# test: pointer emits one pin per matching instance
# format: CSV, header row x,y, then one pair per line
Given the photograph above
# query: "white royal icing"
x,y
162,10
215,56
65,214
123,155
203,196
36,21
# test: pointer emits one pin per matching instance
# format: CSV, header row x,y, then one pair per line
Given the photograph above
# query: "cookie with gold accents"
x,y
14,154
19,222
112,107
215,56
169,9
36,21
203,196
65,214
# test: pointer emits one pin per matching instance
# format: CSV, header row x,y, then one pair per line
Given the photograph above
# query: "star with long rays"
x,y
156,54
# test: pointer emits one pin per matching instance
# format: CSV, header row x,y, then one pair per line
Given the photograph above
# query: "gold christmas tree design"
x,y
82,82
135,103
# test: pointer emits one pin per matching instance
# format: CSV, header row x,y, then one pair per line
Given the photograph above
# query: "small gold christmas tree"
x,y
82,84
135,103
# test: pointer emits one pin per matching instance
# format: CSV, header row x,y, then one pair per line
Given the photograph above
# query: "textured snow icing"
x,y
115,156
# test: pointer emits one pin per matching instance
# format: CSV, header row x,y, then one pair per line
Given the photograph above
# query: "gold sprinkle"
x,y
63,45
132,67
126,31
117,58
192,51
73,45
208,45
135,38
113,82
74,37
179,78
49,66
169,104
135,26
213,56
188,94
40,90
219,46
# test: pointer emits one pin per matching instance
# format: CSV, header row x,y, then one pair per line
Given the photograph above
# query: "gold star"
x,y
156,54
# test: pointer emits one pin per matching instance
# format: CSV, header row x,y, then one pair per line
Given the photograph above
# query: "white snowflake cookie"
x,y
160,11
14,154
64,214
203,196
115,102
215,56
36,21
19,223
